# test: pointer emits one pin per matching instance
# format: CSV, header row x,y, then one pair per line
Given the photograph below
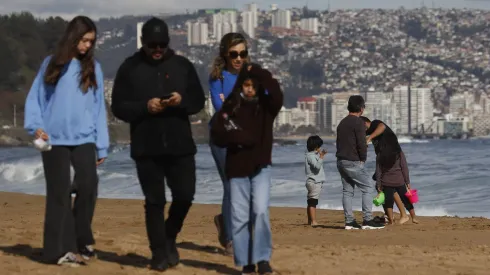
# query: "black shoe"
x,y
372,225
159,263
352,226
173,253
264,268
380,220
87,252
248,269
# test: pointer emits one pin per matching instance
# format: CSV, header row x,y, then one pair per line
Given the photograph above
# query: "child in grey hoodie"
x,y
315,175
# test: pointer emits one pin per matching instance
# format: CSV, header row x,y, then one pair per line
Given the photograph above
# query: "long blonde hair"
x,y
228,41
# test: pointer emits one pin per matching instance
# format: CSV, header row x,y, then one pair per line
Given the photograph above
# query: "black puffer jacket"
x,y
140,79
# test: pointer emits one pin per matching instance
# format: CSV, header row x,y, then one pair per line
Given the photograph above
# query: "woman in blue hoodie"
x,y
65,107
233,53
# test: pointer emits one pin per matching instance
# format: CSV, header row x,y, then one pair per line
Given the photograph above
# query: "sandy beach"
x,y
439,245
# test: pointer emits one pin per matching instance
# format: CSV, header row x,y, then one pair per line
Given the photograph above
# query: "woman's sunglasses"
x,y
235,54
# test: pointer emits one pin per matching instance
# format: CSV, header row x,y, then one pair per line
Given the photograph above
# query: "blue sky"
x,y
106,8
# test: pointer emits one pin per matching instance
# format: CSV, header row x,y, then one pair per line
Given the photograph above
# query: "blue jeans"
x,y
352,174
251,230
219,156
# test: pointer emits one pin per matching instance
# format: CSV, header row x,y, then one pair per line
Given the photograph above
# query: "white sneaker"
x,y
70,259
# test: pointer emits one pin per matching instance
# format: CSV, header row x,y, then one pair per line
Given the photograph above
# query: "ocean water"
x,y
452,176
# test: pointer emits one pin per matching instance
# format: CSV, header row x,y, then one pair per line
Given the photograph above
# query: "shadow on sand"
x,y
24,250
130,259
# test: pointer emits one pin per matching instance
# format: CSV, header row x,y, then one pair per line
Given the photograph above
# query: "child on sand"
x,y
315,176
392,177
383,137
244,126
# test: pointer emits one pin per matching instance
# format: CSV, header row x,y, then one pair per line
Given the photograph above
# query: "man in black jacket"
x,y
155,91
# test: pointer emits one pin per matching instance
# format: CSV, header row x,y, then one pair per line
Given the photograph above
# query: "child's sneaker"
x,y
264,268
70,259
248,269
372,225
352,226
88,252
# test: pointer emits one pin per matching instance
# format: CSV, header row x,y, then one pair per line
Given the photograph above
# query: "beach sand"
x,y
439,245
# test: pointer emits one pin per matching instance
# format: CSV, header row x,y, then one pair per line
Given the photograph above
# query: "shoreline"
x,y
437,246
211,204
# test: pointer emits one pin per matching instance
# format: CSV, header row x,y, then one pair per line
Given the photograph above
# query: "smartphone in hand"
x,y
165,97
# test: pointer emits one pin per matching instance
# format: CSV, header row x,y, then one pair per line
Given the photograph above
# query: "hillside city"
x,y
424,71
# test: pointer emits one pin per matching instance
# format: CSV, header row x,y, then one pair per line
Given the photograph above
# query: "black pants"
x,y
67,227
180,173
390,196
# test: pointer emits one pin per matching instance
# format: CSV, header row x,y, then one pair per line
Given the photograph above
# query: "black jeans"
x,y
390,196
180,173
67,227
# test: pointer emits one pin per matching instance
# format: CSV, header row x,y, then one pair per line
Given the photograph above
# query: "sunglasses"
x,y
235,54
154,45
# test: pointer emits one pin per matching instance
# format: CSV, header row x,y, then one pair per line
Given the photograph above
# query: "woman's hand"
x,y
41,134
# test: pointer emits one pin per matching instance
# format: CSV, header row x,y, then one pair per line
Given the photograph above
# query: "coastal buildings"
x,y
421,109
223,23
197,33
248,23
281,19
309,24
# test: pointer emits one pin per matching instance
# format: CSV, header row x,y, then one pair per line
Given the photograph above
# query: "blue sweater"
x,y
68,115
216,88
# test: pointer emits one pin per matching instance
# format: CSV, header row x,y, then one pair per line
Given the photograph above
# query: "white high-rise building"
x,y
421,109
197,33
224,23
139,26
203,33
380,106
248,24
224,28
339,107
281,19
284,117
324,111
461,103
310,24
273,7
254,10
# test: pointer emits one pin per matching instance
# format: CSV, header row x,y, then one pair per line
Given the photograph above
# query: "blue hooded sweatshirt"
x,y
68,115
216,87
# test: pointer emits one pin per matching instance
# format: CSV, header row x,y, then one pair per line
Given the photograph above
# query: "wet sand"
x,y
439,245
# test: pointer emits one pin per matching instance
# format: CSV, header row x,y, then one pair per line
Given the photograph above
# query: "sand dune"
x,y
439,245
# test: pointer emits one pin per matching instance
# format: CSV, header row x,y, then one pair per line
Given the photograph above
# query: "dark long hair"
x,y
228,41
67,49
233,101
389,153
